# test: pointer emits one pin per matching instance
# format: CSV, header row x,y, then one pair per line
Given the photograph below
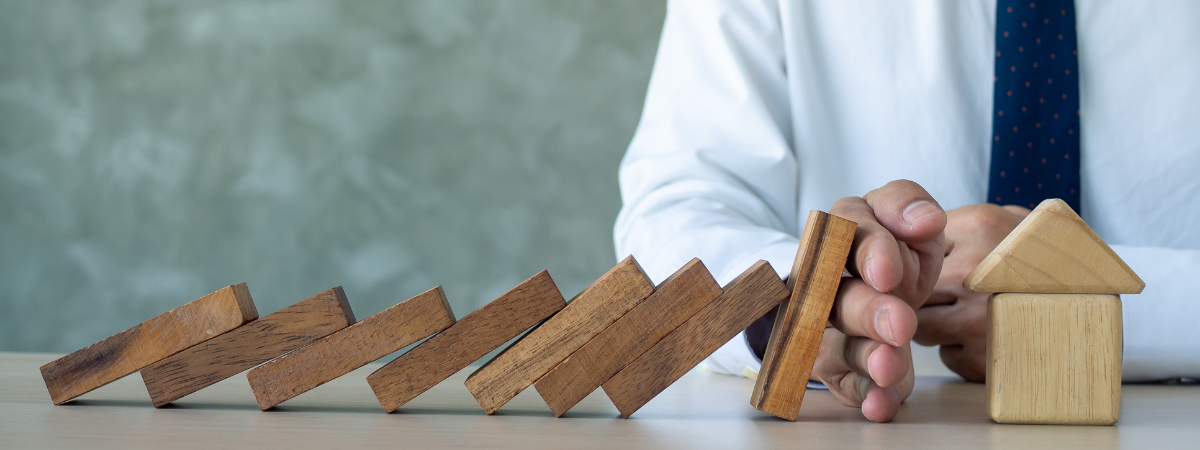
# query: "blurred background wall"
x,y
154,151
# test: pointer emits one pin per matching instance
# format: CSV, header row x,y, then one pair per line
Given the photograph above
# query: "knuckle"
x,y
956,273
903,185
981,217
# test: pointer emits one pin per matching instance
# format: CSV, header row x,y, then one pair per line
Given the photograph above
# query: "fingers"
x,y
1018,210
907,210
965,360
909,213
953,324
862,311
875,255
879,404
882,404
840,354
864,373
892,220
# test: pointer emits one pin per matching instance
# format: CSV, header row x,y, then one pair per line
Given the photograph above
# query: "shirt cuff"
x,y
1161,340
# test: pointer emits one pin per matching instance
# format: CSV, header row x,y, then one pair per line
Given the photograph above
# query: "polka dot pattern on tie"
x,y
1035,146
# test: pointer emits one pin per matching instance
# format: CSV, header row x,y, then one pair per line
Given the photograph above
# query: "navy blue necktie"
x,y
1035,126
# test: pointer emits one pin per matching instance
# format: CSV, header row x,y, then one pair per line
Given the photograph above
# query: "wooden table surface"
x,y
702,410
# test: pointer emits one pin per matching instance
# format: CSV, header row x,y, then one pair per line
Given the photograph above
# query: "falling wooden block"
x,y
129,351
354,346
585,316
1053,251
1054,358
469,339
748,297
247,346
676,300
796,336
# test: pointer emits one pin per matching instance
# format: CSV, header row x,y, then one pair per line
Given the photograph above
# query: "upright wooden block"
x,y
585,316
796,336
1054,358
1053,251
752,294
339,353
480,332
247,346
162,336
676,300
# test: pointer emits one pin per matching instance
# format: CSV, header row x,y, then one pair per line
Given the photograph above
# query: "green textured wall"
x,y
152,152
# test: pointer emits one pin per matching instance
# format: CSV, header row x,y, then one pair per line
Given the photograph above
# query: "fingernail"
x,y
883,325
870,272
917,211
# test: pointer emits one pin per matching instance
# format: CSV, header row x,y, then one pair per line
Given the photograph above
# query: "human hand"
x,y
864,358
954,317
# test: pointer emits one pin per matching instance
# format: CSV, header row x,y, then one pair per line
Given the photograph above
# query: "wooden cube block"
x,y
247,346
752,294
355,346
598,306
469,339
676,300
129,351
800,325
1054,358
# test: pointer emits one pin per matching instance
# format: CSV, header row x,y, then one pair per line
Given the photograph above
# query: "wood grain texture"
x,y
482,331
247,346
1053,251
748,297
599,305
339,353
1054,358
129,351
796,336
674,301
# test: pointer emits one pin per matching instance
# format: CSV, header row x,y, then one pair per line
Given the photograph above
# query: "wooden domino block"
x,y
1054,358
1053,251
247,346
752,294
585,316
469,339
129,351
354,346
796,336
676,300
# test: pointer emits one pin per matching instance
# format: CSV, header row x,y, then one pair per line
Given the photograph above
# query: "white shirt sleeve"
x,y
710,172
713,172
1161,337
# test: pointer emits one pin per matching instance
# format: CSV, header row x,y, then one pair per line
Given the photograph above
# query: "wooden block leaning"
x,y
796,336
598,306
469,339
673,302
129,351
340,353
748,297
1054,358
247,346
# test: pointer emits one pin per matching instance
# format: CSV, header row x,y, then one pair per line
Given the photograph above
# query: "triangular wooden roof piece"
x,y
1053,251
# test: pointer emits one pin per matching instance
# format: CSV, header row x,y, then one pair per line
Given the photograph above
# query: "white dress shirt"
x,y
759,111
